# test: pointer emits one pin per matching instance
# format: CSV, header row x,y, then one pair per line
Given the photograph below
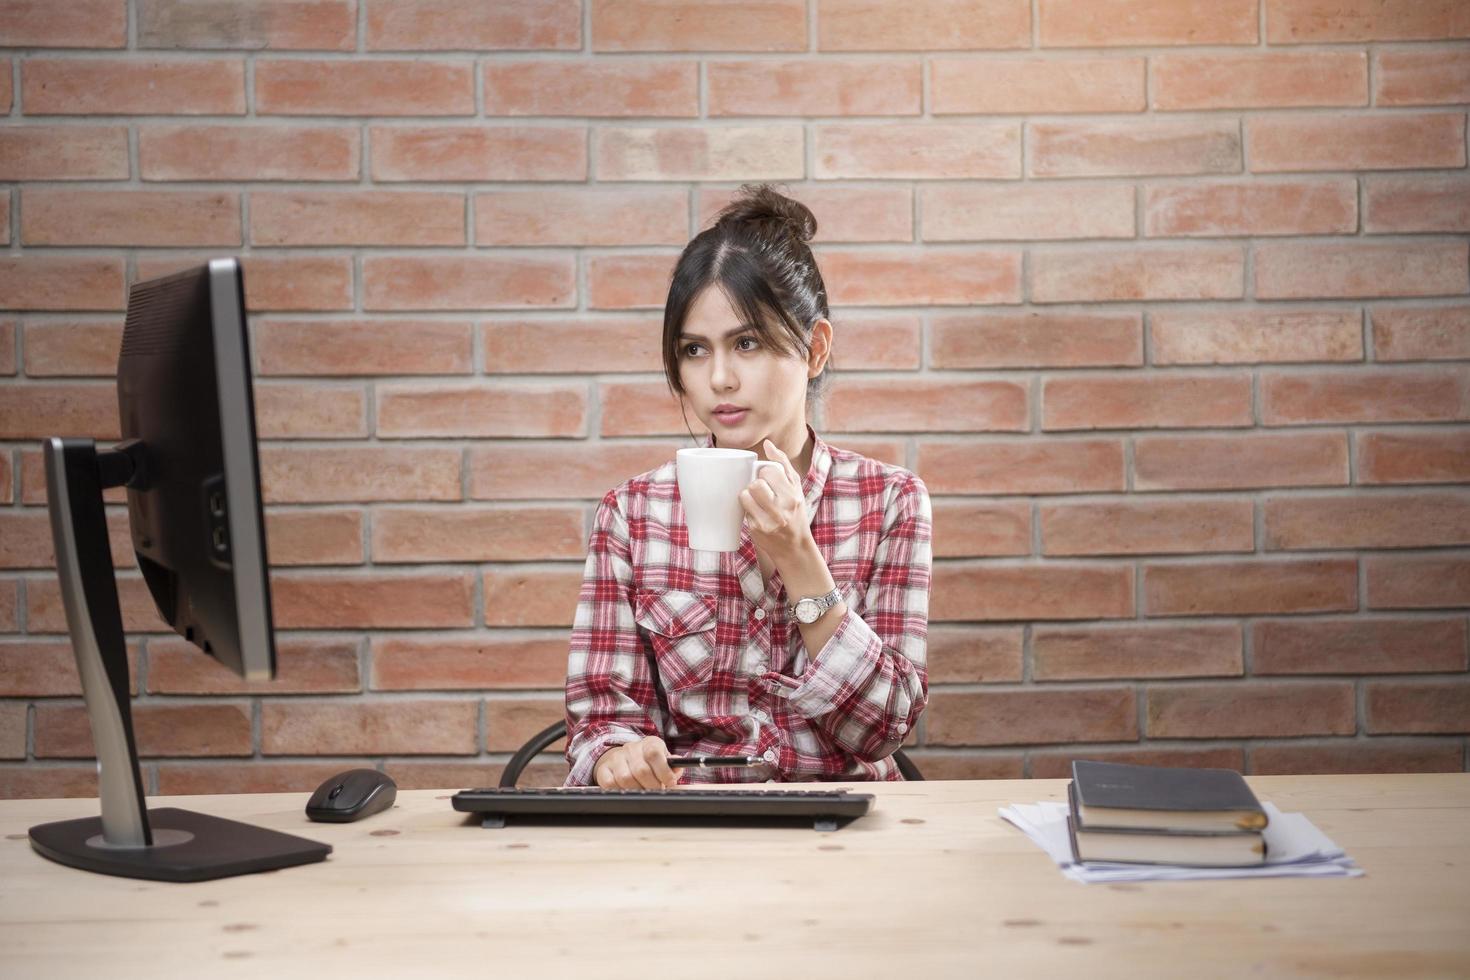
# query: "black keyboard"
x,y
824,808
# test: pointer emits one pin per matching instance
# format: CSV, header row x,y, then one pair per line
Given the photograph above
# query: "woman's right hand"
x,y
636,765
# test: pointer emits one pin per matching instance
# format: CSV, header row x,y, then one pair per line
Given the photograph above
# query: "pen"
x,y
713,761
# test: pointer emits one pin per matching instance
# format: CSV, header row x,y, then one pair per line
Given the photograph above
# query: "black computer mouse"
x,y
352,795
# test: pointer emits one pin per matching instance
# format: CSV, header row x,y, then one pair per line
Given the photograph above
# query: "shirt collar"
x,y
815,481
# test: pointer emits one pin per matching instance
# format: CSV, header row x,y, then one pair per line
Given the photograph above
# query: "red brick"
x,y
137,86
923,25
1133,401
1040,339
26,542
1416,582
1379,520
955,276
1410,204
891,451
844,214
510,724
548,769
57,348
1100,23
63,153
1441,705
969,765
48,669
624,282
831,87
1254,336
322,25
1307,270
1350,755
184,779
356,218
386,600
1237,462
313,475
1126,652
517,410
75,24
6,91
230,152
1357,646
974,654
977,212
1269,80
1036,85
1425,333
1057,764
1137,272
582,216
5,219
298,411
1245,710
82,217
963,529
1134,147
467,282
314,537
8,331
1052,465
519,596
357,347
917,150
45,613
346,727
12,732
479,534
1060,590
592,88
758,152
1256,208
1145,526
302,282
303,666
938,405
1355,141
457,25
1031,717
42,410
9,605
548,471
1316,21
1250,587
1391,394
64,732
876,342
472,153
43,782
571,342
645,408
698,25
1418,77
1414,457
61,282
303,87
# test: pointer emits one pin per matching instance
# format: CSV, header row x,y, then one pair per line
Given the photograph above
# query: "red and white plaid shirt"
x,y
693,647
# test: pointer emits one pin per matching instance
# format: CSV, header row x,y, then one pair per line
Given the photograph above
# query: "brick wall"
x,y
1165,300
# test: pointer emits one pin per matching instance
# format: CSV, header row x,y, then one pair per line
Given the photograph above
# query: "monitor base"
x,y
188,846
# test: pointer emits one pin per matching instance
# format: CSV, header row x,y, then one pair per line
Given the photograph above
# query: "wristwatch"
x,y
809,609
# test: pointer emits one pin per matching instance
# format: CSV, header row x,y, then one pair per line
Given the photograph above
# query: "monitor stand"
x,y
165,844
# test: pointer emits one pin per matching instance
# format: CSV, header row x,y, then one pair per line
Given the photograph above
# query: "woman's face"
x,y
742,390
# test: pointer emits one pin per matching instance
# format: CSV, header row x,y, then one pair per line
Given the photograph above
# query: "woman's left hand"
x,y
776,509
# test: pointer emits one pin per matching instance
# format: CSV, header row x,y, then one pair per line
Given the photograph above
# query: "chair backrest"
x,y
543,739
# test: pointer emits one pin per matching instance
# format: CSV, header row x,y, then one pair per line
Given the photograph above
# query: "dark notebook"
x,y
1115,795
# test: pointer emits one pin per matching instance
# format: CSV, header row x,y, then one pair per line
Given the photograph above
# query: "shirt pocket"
x,y
681,630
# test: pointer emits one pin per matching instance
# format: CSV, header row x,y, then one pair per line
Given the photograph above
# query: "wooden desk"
x,y
932,884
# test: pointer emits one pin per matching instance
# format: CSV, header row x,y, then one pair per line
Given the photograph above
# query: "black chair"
x,y
539,742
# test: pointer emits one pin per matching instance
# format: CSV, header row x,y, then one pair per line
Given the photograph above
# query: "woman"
x,y
676,651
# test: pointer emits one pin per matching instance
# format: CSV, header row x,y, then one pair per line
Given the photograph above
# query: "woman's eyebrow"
x,y
728,333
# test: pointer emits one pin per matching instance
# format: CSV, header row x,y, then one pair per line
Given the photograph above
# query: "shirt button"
x,y
903,727
770,755
760,614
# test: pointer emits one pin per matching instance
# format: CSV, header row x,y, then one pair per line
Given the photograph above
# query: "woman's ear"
x,y
821,347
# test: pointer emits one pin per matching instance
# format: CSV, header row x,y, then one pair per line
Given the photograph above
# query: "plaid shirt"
x,y
693,647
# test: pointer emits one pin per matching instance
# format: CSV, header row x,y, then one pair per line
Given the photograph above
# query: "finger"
x,y
603,773
757,513
657,755
622,777
774,452
643,773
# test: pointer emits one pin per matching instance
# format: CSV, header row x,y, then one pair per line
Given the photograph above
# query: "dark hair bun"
x,y
770,212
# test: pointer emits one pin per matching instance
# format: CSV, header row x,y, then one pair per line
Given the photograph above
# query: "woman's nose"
x,y
721,374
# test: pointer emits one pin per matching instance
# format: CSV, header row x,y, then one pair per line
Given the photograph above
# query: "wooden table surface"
x,y
931,884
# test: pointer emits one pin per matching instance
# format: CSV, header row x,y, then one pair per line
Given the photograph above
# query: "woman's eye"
x,y
748,340
689,349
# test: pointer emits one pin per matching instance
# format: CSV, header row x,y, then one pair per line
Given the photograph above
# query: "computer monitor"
x,y
188,461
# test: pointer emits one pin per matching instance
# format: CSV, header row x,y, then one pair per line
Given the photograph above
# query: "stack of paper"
x,y
1294,847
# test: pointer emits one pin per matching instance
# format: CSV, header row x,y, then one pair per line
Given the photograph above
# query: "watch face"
x,y
807,611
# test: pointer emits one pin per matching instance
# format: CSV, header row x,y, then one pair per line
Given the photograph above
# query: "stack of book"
x,y
1163,815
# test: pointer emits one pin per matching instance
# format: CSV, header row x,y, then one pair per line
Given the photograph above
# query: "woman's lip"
x,y
730,418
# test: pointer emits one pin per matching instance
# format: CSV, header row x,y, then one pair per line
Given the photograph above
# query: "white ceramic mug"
x,y
710,481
